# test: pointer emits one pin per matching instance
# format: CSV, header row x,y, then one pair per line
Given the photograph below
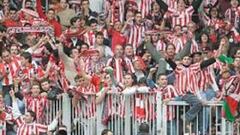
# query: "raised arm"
x,y
42,41
23,3
70,70
154,53
39,9
207,63
162,5
171,63
15,109
162,64
185,51
196,4
53,125
101,95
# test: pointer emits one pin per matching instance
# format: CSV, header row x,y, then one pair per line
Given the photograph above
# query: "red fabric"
x,y
213,38
11,23
2,116
233,104
55,24
117,38
96,82
237,38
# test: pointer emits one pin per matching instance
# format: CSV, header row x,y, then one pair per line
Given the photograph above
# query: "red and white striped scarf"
x,y
88,106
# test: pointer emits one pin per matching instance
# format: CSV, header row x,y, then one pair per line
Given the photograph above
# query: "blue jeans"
x,y
204,116
194,102
172,127
0,85
6,95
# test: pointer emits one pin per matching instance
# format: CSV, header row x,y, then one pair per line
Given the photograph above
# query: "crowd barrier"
x,y
124,113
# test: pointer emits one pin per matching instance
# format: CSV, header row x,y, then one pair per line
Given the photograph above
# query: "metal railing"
x,y
124,113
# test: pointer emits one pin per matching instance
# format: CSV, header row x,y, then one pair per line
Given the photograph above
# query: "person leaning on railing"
x,y
25,126
186,83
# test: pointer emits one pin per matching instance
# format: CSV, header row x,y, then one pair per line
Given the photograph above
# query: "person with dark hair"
x,y
143,129
99,45
52,93
28,71
7,72
25,125
62,130
90,35
107,132
13,18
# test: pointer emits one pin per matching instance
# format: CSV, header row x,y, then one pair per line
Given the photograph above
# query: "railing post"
x,y
159,114
66,114
99,111
127,116
224,124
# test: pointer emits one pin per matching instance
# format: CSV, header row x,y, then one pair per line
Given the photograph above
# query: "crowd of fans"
x,y
186,49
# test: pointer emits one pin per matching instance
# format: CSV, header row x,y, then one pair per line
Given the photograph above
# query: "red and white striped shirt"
x,y
136,36
144,6
214,22
169,92
89,38
230,85
186,80
120,65
114,9
30,129
160,45
10,68
205,78
37,105
232,15
178,42
180,18
171,3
